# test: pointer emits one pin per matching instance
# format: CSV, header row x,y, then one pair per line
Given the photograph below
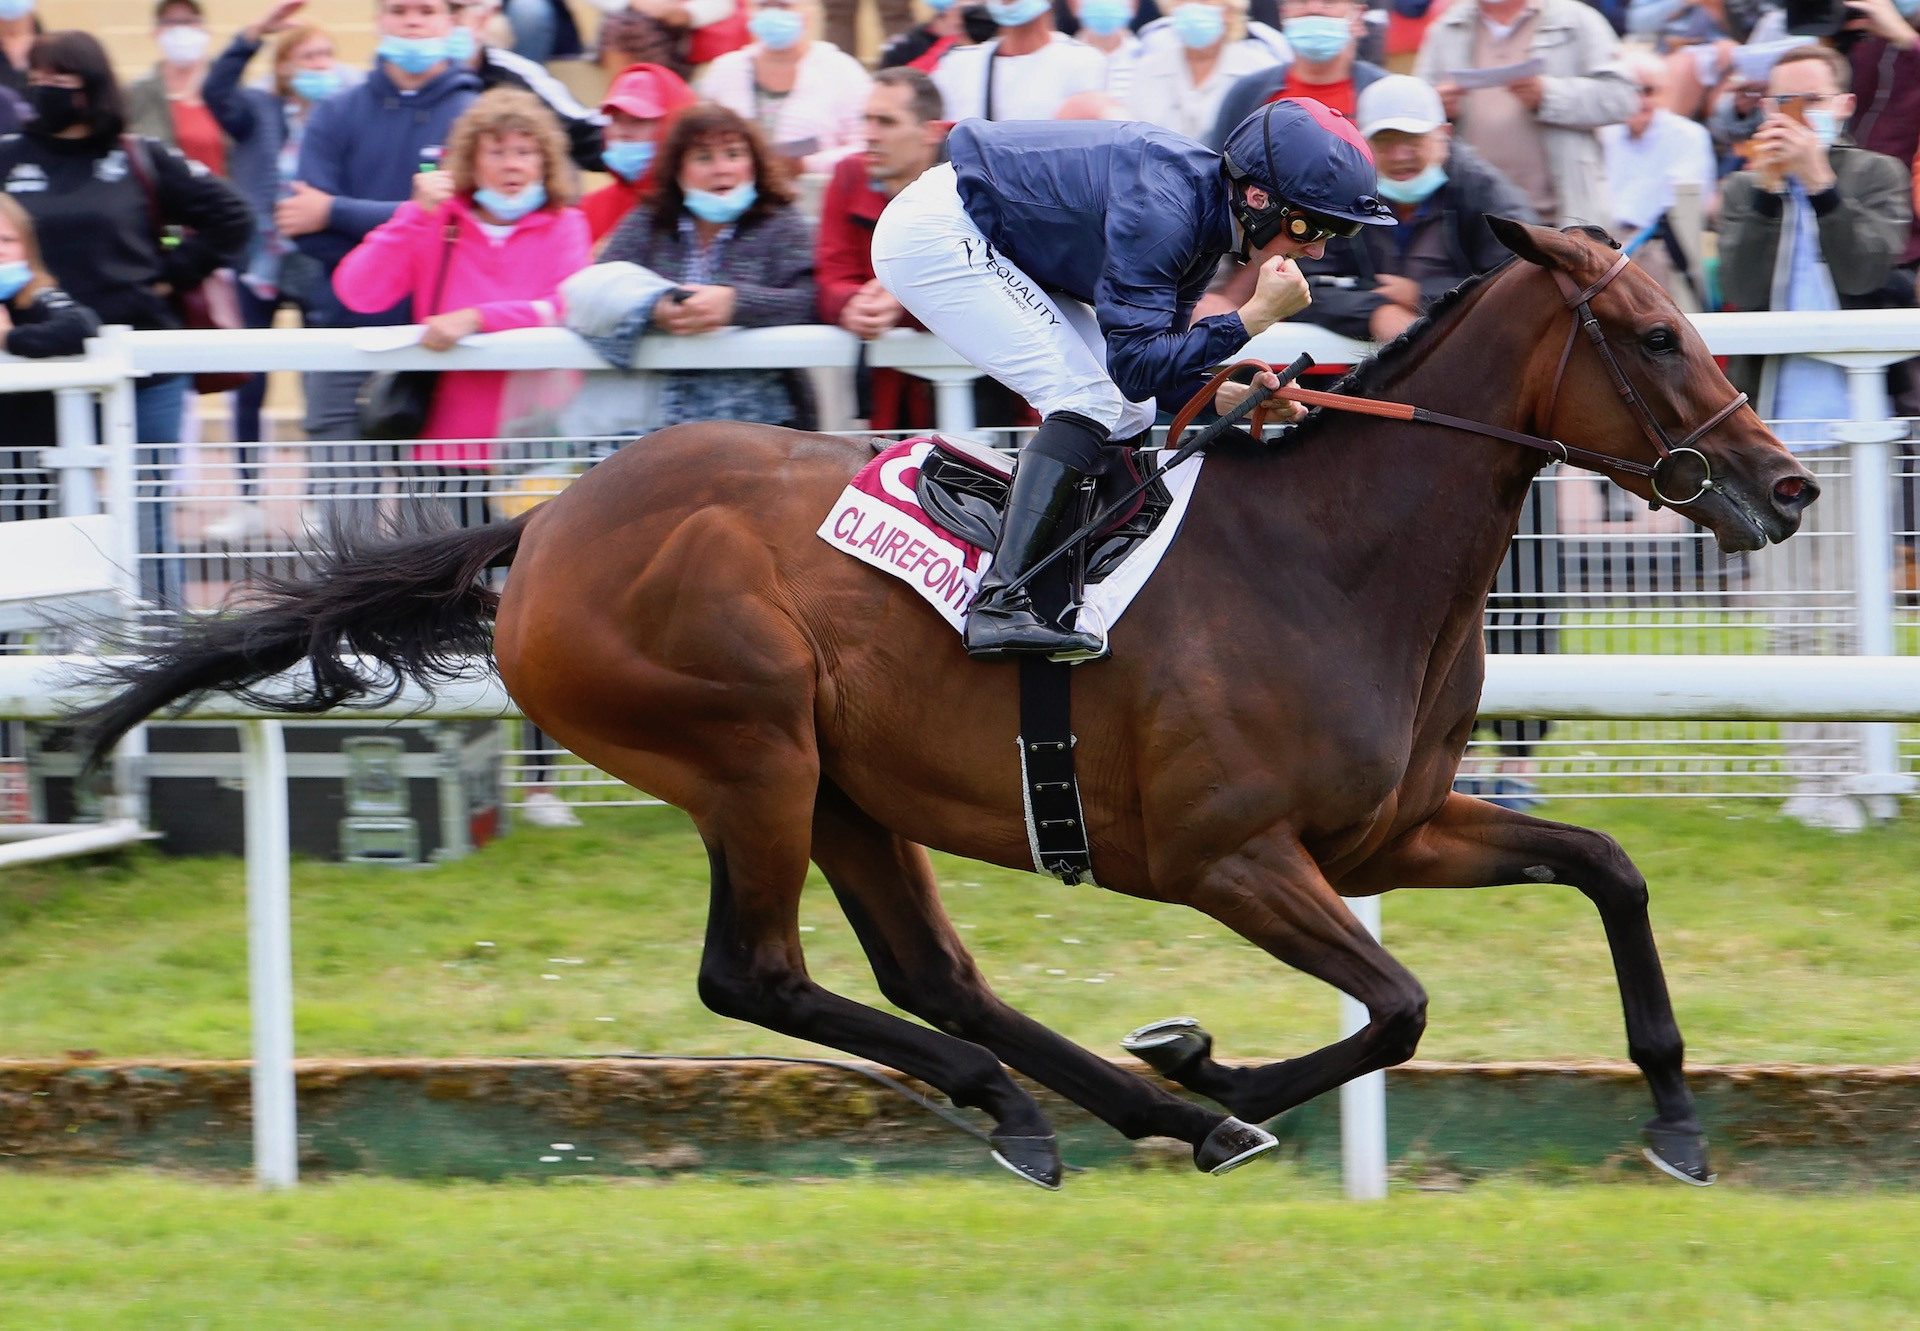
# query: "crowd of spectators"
x,y
1756,156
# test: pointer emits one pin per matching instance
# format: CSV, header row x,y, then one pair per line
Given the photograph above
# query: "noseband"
x,y
1581,303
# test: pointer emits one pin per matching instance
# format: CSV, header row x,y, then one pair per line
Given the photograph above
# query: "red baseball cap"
x,y
647,92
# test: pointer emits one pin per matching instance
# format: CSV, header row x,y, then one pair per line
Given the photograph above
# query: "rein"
x,y
1579,301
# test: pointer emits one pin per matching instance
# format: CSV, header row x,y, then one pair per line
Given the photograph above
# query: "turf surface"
x,y
1115,1250
1781,944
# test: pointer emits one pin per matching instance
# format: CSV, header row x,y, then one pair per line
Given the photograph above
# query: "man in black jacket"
x,y
1374,284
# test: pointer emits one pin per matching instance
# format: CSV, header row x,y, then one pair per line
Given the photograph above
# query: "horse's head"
x,y
1649,393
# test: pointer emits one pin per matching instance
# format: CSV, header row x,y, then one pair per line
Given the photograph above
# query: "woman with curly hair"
x,y
482,246
721,223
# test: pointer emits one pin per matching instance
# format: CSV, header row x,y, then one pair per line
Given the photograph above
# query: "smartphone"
x,y
679,295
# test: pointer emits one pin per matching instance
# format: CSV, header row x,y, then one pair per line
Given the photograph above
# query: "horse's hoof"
x,y
1678,1151
1231,1145
1035,1159
1169,1047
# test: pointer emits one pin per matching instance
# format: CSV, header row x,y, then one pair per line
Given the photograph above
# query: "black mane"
x,y
1379,370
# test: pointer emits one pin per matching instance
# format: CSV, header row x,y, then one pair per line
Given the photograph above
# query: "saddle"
x,y
966,494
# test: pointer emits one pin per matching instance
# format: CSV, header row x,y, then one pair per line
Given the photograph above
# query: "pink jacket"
x,y
512,282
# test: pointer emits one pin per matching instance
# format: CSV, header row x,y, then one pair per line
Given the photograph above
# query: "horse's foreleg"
x,y
887,888
1470,843
752,970
1271,893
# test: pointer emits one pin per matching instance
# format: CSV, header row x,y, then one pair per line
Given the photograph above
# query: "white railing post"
x,y
953,401
276,1158
1870,436
75,460
1363,1101
119,438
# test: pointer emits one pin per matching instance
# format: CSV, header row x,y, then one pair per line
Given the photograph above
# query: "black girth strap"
x,y
1050,792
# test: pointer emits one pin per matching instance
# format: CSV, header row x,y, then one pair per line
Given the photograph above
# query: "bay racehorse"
x,y
1278,727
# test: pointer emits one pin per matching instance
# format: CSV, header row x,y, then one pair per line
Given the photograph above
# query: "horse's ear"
x,y
1536,244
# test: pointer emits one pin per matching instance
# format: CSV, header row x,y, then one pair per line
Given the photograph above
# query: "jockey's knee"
x,y
1070,438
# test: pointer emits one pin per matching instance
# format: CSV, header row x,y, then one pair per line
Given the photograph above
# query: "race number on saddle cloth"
x,y
880,520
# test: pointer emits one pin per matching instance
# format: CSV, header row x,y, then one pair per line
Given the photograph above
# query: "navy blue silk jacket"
x,y
1128,218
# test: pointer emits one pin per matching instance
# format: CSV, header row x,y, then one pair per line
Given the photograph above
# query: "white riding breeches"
x,y
1046,348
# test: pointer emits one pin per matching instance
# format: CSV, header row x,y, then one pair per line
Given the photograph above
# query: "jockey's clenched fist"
x,y
1280,292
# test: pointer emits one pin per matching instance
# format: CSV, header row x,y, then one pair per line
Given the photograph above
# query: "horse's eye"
x,y
1661,342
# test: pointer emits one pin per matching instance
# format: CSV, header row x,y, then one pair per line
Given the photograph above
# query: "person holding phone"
x,y
807,96
721,224
1813,223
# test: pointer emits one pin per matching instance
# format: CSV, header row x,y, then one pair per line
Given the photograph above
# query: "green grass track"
x,y
1780,943
1115,1250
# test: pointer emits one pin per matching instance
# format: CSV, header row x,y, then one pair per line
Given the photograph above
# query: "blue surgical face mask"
x,y
1198,24
1824,124
14,276
629,158
1414,189
1013,13
1909,9
316,85
942,6
16,8
511,207
722,208
1103,18
1316,38
413,55
777,29
461,44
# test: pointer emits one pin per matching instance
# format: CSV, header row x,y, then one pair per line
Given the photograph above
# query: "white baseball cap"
x,y
1399,101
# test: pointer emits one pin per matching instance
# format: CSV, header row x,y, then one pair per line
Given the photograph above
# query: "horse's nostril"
x,y
1794,493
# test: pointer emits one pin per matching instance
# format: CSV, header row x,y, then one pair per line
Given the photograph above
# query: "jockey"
x,y
1000,252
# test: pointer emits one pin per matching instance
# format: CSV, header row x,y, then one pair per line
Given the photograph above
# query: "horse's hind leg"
x,y
887,888
1471,843
1272,894
752,969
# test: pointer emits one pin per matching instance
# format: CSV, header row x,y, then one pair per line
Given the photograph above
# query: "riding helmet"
x,y
1313,163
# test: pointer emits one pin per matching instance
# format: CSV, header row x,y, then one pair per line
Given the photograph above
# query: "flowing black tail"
x,y
412,602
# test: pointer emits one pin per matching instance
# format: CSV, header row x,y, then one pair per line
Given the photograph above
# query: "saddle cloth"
x,y
927,511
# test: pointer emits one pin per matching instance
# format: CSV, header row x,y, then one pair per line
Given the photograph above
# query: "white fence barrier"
x,y
1623,687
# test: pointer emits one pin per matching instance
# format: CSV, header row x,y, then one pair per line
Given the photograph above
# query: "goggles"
x,y
1310,228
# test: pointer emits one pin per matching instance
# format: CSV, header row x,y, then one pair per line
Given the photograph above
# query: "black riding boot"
x,y
1000,624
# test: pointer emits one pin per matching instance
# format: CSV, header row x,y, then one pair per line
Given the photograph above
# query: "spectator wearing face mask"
x,y
1326,65
1180,84
807,96
1107,27
168,104
1375,284
723,237
514,239
953,24
359,159
1814,223
1024,72
639,110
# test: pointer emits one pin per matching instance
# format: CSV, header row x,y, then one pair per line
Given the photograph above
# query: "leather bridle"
x,y
1580,302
